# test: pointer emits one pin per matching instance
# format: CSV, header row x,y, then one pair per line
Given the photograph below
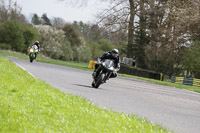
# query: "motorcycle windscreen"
x,y
109,63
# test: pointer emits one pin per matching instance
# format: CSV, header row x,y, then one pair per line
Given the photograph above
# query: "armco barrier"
x,y
185,81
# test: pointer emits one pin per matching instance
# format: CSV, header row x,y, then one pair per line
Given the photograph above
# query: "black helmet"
x,y
36,42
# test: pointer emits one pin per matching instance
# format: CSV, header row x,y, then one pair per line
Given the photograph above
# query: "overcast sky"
x,y
55,8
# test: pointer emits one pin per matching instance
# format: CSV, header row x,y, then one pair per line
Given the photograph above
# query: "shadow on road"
x,y
86,86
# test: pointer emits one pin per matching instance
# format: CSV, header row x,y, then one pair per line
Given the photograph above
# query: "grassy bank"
x,y
30,105
84,66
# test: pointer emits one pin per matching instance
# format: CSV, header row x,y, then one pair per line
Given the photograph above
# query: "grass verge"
x,y
84,66
30,105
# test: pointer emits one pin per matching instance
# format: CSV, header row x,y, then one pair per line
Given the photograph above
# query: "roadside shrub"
x,y
5,46
12,33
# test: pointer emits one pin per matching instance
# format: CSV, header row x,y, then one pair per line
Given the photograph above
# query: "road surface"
x,y
175,109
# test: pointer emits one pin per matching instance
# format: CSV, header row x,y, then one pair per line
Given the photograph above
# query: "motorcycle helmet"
x,y
115,52
36,42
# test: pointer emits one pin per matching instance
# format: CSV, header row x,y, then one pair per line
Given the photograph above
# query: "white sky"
x,y
56,8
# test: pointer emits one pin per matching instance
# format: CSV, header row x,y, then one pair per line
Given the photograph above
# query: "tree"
x,y
30,34
105,45
18,36
10,11
45,19
72,35
191,60
36,20
131,46
58,22
12,34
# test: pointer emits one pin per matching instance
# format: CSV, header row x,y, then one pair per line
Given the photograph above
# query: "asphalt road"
x,y
173,108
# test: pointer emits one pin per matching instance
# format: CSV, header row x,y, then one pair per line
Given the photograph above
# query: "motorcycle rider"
x,y
113,55
38,46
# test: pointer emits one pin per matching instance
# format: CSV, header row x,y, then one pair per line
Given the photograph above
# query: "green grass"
x,y
84,66
30,105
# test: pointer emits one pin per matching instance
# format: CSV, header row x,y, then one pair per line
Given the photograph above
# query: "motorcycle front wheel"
x,y
98,81
31,58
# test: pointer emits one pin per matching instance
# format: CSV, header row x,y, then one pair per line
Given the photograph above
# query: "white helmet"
x,y
36,42
115,51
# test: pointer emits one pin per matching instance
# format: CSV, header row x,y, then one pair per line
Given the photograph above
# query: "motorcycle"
x,y
104,70
33,50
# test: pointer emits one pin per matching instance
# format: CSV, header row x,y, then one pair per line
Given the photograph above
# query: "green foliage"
x,y
82,53
99,47
122,47
78,26
105,45
191,60
72,35
12,33
30,105
30,35
94,48
45,19
36,20
5,46
18,36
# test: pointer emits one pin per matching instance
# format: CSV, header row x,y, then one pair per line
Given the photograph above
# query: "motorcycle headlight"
x,y
31,50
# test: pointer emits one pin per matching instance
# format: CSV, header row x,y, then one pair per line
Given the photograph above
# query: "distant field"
x,y
30,105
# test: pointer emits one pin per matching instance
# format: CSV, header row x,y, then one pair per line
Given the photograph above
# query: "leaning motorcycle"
x,y
104,70
32,53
